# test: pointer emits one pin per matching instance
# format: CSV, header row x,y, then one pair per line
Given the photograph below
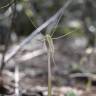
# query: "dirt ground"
x,y
74,70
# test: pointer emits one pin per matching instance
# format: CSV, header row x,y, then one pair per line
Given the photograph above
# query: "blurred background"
x,y
74,53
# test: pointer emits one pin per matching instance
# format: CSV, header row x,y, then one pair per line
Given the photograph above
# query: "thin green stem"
x,y
56,24
31,21
49,74
48,42
65,34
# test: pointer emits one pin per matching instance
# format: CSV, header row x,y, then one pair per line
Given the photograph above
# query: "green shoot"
x,y
50,47
62,36
30,20
49,74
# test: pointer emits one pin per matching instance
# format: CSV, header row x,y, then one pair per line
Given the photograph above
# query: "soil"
x,y
74,71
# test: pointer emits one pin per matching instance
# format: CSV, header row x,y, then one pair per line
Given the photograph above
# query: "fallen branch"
x,y
38,30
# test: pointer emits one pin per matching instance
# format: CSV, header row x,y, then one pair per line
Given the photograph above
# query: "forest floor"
x,y
74,70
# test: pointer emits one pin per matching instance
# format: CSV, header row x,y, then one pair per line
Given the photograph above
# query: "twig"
x,y
88,75
38,30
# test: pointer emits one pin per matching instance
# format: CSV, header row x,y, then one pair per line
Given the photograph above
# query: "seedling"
x,y
48,42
